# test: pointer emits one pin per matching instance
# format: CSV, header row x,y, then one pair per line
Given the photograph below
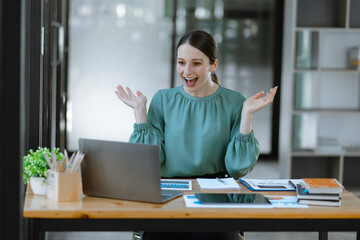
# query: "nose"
x,y
187,69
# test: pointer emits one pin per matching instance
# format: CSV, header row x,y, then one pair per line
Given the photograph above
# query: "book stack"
x,y
320,191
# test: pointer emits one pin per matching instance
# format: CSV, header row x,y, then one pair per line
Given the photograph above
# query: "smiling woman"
x,y
202,129
186,122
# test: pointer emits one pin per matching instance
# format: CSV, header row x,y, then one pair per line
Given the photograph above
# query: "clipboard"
x,y
265,185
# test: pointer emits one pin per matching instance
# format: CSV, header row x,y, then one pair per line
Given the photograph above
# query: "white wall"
x,y
113,43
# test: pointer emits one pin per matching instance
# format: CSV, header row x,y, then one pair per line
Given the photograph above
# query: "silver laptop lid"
x,y
121,170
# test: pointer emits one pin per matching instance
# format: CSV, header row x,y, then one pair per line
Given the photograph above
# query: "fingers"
x,y
118,95
121,92
130,92
270,95
124,94
273,92
258,95
120,89
268,98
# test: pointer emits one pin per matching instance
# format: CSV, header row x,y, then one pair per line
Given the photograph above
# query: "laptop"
x,y
122,170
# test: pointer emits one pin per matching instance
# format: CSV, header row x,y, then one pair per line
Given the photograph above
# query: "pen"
x,y
222,181
292,184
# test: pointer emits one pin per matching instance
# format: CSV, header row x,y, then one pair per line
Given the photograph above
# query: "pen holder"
x,y
63,187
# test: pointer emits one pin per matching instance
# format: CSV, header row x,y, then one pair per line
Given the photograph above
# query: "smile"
x,y
190,82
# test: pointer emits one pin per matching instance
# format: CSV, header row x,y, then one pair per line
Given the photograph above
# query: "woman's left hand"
x,y
257,102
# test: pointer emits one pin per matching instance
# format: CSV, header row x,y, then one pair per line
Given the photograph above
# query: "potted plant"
x,y
35,168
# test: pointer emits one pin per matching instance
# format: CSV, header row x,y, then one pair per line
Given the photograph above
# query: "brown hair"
x,y
205,43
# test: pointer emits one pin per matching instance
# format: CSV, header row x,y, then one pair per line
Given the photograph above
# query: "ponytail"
x,y
215,78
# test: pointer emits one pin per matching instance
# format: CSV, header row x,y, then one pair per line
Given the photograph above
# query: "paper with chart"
x,y
285,202
176,184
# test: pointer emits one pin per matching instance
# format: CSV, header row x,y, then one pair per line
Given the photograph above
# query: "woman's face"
x,y
194,68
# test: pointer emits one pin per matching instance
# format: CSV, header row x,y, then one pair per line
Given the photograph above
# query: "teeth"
x,y
189,79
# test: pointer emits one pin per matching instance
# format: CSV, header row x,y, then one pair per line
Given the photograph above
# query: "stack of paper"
x,y
317,198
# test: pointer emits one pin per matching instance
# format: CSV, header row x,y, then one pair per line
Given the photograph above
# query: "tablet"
x,y
232,198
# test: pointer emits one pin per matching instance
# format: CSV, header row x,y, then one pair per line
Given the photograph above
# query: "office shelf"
x,y
321,13
326,111
352,153
354,21
318,166
347,71
354,189
324,91
351,170
339,70
329,29
312,153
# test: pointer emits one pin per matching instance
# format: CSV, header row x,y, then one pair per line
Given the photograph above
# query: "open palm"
x,y
130,99
257,102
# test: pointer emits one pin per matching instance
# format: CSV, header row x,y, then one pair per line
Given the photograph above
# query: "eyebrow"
x,y
195,59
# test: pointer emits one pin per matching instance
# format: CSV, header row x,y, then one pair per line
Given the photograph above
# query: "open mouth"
x,y
190,82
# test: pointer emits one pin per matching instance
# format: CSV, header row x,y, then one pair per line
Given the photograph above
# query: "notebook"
x,y
323,185
218,183
122,170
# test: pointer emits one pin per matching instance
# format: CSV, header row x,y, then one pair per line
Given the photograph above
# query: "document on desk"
x,y
191,201
285,202
271,184
176,184
218,183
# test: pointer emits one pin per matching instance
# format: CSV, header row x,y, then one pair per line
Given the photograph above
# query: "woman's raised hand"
x,y
130,99
257,102
138,103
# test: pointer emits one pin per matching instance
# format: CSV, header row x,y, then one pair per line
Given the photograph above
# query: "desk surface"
x,y
36,206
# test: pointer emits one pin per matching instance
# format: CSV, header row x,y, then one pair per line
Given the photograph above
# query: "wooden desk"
x,y
101,214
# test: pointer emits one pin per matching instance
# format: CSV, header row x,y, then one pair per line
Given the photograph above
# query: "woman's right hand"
x,y
130,99
138,103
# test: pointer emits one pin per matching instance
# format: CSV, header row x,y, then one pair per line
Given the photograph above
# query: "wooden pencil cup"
x,y
63,187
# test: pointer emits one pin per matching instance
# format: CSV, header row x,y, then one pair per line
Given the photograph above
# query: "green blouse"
x,y
198,135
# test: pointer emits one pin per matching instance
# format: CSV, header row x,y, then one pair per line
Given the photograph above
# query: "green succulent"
x,y
35,165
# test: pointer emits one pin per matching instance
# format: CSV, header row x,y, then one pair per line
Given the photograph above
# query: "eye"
x,y
197,63
180,62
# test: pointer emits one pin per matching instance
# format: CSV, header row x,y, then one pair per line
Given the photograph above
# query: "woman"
x,y
202,128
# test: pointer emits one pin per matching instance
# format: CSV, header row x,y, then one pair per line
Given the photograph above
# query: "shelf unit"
x,y
323,91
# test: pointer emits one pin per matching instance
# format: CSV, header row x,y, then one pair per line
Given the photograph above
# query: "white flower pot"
x,y
38,185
